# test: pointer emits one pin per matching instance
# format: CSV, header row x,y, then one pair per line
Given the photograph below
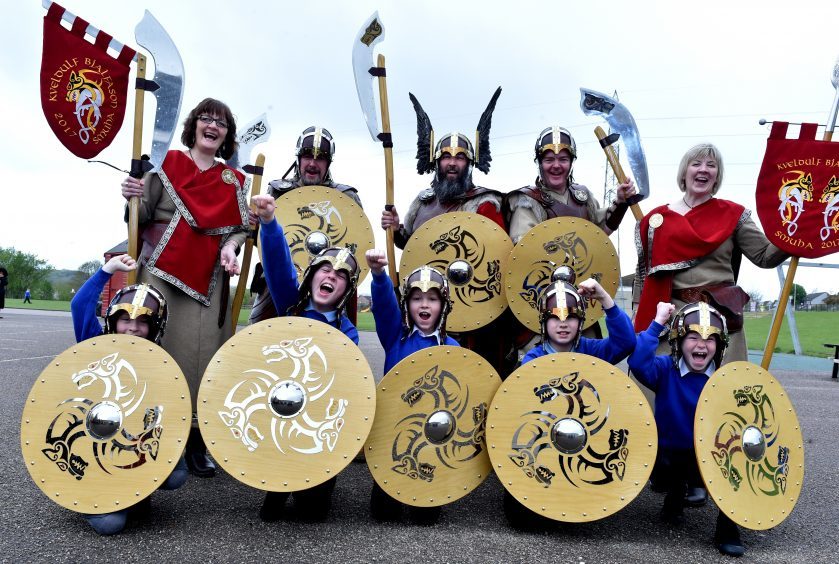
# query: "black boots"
x,y
727,537
196,456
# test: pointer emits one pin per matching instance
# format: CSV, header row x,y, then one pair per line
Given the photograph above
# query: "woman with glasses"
x,y
193,219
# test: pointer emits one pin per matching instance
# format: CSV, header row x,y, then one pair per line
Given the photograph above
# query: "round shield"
x,y
105,423
427,445
561,241
470,250
571,437
286,404
317,217
749,446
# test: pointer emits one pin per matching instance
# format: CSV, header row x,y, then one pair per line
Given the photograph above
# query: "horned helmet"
x,y
703,319
560,299
426,278
137,300
341,258
314,142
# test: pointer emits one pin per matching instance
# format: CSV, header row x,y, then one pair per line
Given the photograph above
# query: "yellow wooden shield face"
x,y
286,404
427,445
105,423
562,241
749,445
317,217
470,250
571,437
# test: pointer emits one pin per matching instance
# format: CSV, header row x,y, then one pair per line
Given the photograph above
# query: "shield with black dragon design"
x,y
427,445
749,446
286,404
571,437
561,241
315,218
471,250
105,423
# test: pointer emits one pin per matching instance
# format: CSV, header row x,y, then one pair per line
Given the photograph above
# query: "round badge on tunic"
x,y
105,423
656,220
317,217
571,437
427,446
228,177
749,445
470,250
561,241
286,404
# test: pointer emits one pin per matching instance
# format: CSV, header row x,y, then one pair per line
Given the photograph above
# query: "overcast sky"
x,y
689,73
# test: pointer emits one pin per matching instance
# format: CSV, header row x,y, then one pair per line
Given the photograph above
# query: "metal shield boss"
x,y
105,423
286,404
749,446
315,218
470,250
561,241
571,437
427,446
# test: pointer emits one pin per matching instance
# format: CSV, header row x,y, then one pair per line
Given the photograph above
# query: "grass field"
x,y
815,328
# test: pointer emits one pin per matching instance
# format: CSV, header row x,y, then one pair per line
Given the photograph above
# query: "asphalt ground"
x,y
216,519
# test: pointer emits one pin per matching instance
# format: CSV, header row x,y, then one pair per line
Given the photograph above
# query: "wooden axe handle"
x,y
612,157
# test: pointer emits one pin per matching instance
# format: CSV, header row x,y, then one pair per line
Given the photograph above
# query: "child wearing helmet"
x,y
698,338
139,310
562,310
328,284
416,322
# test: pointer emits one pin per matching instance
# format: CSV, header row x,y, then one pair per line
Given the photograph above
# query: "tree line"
x,y
27,270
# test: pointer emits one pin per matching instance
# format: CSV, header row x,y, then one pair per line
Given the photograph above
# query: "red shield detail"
x,y
83,88
798,192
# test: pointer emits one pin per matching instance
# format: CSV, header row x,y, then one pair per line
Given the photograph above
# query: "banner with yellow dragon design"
x,y
83,87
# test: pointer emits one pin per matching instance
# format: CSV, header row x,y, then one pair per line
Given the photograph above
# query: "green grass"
x,y
815,328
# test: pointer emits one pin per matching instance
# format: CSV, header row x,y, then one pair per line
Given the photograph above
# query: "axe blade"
x,y
371,33
169,76
620,121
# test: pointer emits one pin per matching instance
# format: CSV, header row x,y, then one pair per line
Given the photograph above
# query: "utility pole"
x,y
610,187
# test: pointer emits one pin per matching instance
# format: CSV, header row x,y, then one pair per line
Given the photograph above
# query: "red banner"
x,y
798,192
83,88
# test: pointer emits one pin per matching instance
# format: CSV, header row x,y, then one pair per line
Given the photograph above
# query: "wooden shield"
x,y
317,217
571,437
470,250
749,446
427,446
286,404
105,423
562,241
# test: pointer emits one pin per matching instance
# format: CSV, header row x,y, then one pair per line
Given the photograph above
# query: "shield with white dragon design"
x,y
571,437
427,446
561,241
105,423
315,218
471,250
749,445
286,404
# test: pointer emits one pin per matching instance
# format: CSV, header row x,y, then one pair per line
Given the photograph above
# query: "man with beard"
x,y
315,149
452,189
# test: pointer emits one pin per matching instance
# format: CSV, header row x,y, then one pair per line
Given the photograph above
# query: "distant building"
x,y
814,299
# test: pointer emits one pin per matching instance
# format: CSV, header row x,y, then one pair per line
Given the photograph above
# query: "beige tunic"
x,y
192,334
526,212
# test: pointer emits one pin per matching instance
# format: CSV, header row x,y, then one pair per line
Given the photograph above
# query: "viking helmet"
x,y
454,143
560,299
314,142
341,258
703,319
426,278
555,139
137,300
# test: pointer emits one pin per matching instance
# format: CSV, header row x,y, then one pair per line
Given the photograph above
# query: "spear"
x,y
793,263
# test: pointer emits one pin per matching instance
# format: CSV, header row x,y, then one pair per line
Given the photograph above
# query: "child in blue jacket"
x,y
328,284
418,322
126,315
698,338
